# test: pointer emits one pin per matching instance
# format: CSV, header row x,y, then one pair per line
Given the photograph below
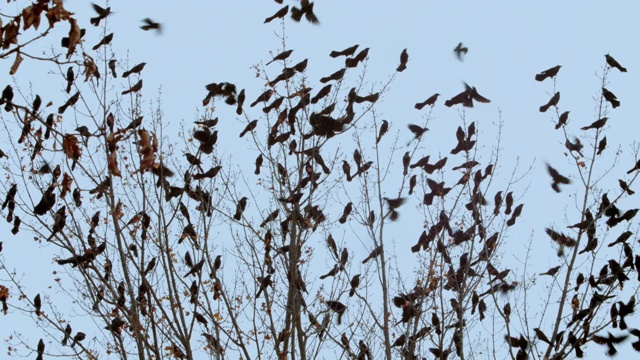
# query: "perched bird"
x,y
596,124
346,52
383,130
242,204
562,120
40,350
347,210
552,102
406,161
282,56
264,97
602,145
404,57
552,272
460,51
134,70
610,97
613,63
549,73
557,178
278,15
102,14
135,88
374,253
337,76
105,41
306,9
151,25
430,101
250,127
355,282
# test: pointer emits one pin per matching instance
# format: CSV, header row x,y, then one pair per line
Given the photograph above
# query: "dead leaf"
x,y
16,64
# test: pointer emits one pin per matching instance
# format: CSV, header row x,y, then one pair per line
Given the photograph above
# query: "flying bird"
x,y
102,14
151,25
461,51
557,178
306,9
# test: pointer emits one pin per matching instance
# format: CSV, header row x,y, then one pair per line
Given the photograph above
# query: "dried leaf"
x,y
66,185
74,37
112,163
70,147
146,150
16,64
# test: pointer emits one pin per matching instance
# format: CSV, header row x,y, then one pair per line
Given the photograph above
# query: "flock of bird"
x,y
325,126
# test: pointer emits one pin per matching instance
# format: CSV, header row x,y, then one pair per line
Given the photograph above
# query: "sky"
x,y
215,41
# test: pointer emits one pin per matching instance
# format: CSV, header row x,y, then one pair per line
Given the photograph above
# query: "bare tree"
x,y
175,247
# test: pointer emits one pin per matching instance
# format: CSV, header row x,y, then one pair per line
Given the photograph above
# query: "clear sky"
x,y
509,42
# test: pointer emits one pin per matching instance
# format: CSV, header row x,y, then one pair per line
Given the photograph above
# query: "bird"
x,y
347,210
281,56
250,127
552,272
70,102
383,130
374,253
557,178
404,57
596,124
337,76
264,97
102,14
417,130
151,25
135,88
134,70
610,340
306,9
549,73
460,50
112,67
562,120
105,41
40,350
552,102
614,63
346,52
610,97
242,204
338,307
278,15
355,282
430,101
406,161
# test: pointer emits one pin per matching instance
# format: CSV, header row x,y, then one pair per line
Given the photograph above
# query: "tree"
x,y
174,249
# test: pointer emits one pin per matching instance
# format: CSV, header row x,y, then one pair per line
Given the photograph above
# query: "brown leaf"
x,y
112,164
16,64
74,37
70,147
146,149
66,185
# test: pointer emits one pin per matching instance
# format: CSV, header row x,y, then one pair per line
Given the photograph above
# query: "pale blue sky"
x,y
215,41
